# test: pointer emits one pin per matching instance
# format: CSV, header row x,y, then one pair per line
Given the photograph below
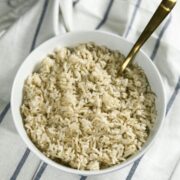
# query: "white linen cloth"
x,y
47,18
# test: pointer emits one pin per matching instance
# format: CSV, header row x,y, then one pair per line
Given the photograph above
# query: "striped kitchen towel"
x,y
47,18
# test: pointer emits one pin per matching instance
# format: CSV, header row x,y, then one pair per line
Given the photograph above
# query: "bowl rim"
x,y
47,160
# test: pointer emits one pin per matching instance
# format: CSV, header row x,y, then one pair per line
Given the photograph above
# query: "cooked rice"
x,y
80,113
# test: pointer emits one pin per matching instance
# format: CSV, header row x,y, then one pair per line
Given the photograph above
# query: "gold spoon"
x,y
161,12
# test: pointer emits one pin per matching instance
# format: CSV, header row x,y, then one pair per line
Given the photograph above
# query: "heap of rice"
x,y
80,113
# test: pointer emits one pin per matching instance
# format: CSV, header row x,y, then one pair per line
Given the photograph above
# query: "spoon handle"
x,y
161,12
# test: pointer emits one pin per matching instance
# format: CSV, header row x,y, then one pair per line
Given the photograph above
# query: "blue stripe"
x,y
174,169
75,3
39,24
3,113
83,178
40,171
105,14
20,164
159,38
26,154
133,17
176,90
133,168
168,107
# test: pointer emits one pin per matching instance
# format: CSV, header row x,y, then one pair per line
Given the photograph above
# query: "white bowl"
x,y
70,39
